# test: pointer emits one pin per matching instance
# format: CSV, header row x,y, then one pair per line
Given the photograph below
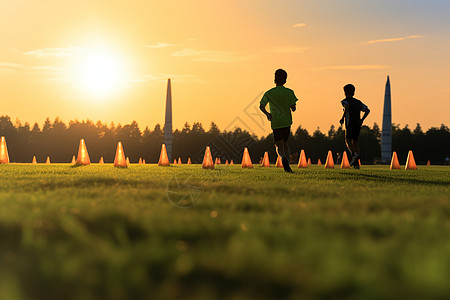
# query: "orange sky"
x,y
221,57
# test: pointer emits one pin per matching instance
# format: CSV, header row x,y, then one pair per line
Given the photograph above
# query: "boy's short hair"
x,y
349,89
280,76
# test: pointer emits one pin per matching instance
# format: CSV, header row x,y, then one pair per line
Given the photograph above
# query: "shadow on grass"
x,y
371,177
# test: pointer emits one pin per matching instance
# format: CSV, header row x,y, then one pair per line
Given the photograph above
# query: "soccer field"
x,y
99,232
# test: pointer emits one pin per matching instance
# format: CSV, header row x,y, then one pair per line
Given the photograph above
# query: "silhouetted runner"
x,y
353,122
281,101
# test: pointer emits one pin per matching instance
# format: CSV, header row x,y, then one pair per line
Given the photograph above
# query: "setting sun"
x,y
99,72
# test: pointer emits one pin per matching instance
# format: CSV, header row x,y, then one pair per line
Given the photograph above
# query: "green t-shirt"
x,y
280,100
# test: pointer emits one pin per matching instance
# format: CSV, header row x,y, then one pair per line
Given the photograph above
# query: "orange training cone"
x,y
74,160
119,160
329,164
246,160
4,157
265,161
219,161
175,161
140,161
394,162
226,162
163,158
101,161
216,161
179,160
231,162
278,163
128,161
345,164
359,162
207,159
410,162
319,163
189,161
309,161
302,163
34,161
83,156
47,162
143,161
428,163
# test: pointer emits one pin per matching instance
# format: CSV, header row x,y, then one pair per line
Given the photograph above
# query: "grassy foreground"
x,y
98,232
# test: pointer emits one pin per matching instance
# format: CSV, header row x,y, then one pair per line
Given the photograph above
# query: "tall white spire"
x,y
168,121
386,132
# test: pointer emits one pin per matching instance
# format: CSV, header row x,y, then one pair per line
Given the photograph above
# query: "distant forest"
x,y
60,141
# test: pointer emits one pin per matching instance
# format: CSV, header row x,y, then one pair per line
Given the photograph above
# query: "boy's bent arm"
x,y
263,109
366,113
343,114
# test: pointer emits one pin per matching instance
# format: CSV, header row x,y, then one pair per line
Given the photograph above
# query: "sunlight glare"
x,y
100,73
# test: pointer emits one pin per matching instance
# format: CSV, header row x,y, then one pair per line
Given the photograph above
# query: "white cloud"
x,y
385,40
50,74
46,68
211,55
8,65
159,45
288,49
354,67
299,25
393,39
55,52
415,36
7,68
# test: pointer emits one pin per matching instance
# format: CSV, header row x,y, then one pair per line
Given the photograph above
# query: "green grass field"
x,y
98,232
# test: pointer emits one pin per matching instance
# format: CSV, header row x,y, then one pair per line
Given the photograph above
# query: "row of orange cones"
x,y
121,161
329,164
83,156
303,163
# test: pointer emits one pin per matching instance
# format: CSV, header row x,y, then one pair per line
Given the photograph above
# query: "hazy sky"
x,y
109,60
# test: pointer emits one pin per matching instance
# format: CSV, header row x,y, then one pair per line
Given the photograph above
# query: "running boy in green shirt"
x,y
281,101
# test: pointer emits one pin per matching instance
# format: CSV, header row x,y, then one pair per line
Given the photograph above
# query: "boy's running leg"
x,y
283,151
287,157
277,149
355,151
287,151
356,147
349,143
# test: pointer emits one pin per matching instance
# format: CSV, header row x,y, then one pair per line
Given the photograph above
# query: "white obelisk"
x,y
168,121
386,131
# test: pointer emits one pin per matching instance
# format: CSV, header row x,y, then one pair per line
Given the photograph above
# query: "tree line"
x,y
60,142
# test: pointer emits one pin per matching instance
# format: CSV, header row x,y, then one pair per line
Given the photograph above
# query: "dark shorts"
x,y
352,131
281,133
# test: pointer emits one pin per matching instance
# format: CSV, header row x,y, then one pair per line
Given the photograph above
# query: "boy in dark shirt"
x,y
353,122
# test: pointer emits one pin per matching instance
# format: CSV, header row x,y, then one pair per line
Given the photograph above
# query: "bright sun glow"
x,y
99,73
